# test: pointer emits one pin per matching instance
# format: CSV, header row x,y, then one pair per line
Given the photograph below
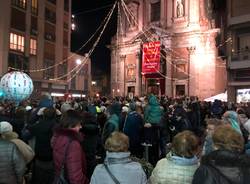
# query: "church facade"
x,y
184,32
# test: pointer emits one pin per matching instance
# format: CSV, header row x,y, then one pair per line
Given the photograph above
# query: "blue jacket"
x,y
122,167
133,128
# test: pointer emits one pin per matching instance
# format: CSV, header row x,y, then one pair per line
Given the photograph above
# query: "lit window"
x,y
34,6
33,46
16,42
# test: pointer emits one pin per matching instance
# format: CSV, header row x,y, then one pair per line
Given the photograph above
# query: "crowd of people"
x,y
155,140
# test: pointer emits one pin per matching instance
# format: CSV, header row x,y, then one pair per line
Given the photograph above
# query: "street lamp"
x,y
78,62
73,26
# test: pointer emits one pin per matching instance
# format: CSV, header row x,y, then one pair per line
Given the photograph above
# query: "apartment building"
x,y
35,34
238,29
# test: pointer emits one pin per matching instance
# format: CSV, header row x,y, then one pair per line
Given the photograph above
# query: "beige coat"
x,y
25,149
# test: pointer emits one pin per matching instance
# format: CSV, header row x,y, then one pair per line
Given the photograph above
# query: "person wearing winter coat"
x,y
152,116
68,136
212,124
42,131
180,163
227,164
6,132
118,163
153,111
113,122
91,130
133,128
12,163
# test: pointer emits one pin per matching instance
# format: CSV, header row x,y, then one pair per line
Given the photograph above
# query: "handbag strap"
x,y
111,175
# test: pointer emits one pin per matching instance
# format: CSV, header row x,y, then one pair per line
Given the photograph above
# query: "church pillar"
x,y
138,89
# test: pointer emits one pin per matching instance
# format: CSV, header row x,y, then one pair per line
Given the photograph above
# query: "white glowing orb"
x,y
17,86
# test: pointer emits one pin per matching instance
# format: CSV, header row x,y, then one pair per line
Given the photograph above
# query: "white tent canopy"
x,y
221,96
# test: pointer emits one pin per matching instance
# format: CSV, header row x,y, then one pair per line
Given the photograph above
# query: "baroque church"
x,y
166,47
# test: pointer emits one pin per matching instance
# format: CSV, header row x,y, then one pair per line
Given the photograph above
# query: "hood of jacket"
x,y
153,100
181,160
226,158
117,157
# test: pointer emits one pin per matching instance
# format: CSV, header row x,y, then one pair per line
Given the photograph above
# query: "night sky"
x,y
88,17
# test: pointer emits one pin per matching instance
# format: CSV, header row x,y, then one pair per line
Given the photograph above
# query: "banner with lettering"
x,y
151,57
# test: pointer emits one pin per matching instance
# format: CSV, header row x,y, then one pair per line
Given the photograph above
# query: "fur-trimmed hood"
x,y
226,158
9,136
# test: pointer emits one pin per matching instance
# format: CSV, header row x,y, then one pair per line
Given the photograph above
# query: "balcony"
x,y
240,60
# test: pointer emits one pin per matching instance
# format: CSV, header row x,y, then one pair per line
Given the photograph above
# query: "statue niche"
x,y
179,8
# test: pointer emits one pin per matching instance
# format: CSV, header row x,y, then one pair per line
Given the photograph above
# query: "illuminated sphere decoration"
x,y
1,93
17,86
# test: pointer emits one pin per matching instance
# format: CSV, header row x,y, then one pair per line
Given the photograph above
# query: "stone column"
x,y
191,72
169,13
231,94
138,88
122,74
194,13
168,80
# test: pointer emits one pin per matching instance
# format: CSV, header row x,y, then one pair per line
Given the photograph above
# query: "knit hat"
x,y
5,127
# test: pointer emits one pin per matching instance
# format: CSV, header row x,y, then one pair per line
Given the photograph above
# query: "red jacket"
x,y
75,165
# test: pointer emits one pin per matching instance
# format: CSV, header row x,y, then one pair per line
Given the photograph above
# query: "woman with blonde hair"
x,y
180,164
118,167
227,164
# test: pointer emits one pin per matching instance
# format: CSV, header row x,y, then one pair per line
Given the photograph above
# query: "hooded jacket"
x,y
113,123
153,111
223,167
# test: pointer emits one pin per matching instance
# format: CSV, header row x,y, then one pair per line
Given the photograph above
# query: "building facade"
x,y
189,62
80,79
238,28
35,34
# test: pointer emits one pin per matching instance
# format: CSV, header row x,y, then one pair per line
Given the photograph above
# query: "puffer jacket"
x,y
12,163
122,167
223,167
174,170
153,111
75,164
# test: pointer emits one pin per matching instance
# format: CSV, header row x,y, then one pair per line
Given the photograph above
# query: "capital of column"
x,y
191,49
123,57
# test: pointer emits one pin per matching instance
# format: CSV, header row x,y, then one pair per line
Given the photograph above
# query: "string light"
x,y
125,8
97,41
66,59
90,51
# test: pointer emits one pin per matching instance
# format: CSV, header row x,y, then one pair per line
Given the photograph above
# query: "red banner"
x,y
151,57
